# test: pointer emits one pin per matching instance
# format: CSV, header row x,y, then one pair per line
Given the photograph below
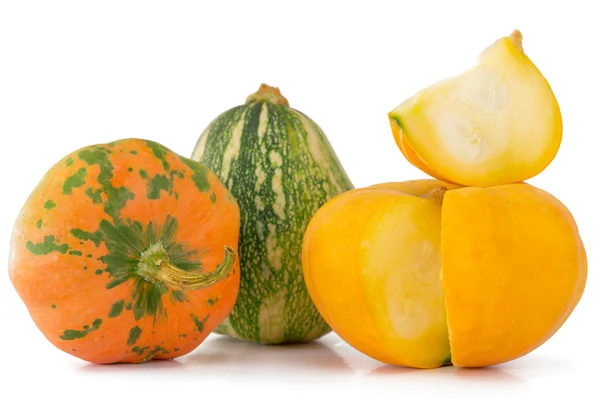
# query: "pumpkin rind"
x,y
81,235
281,168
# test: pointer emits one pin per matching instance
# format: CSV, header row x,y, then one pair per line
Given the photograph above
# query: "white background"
x,y
79,73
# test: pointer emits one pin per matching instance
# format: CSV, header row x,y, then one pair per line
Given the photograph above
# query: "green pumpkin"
x,y
281,168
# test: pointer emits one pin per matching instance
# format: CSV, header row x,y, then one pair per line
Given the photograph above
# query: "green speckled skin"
x,y
281,168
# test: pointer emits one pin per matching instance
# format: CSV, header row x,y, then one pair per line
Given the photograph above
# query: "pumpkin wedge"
x,y
126,252
496,123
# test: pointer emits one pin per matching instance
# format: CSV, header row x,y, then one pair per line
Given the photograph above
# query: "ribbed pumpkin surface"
x,y
281,168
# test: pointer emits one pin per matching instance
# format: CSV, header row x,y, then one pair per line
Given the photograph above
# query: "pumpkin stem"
x,y
517,39
435,194
269,94
155,266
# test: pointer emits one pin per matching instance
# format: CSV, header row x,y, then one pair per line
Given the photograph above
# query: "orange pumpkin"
x,y
126,252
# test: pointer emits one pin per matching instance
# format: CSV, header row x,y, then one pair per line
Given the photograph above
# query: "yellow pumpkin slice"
x,y
496,123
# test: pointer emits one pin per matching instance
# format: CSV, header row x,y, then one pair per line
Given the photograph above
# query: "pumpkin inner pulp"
x,y
407,301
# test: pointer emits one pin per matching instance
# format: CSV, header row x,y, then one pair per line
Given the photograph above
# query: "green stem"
x,y
155,266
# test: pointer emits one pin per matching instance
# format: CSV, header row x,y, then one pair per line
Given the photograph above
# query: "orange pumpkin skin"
x,y
81,241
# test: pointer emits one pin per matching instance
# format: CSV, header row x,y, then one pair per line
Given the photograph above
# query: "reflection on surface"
x,y
387,369
496,374
471,375
224,358
541,363
162,366
232,354
447,377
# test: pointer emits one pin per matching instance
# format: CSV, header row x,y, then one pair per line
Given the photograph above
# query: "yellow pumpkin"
x,y
425,273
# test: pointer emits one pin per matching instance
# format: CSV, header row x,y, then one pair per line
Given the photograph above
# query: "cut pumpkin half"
x,y
496,123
